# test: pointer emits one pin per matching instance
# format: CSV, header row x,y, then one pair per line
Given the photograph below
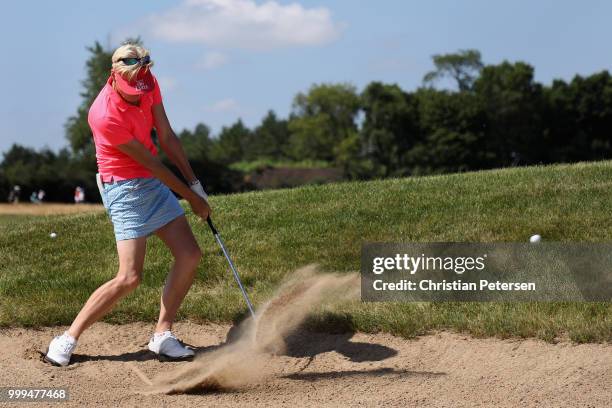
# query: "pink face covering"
x,y
142,84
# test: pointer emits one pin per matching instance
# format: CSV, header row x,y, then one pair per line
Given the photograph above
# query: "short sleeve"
x,y
157,98
115,133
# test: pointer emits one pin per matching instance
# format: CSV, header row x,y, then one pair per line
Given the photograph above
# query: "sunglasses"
x,y
133,61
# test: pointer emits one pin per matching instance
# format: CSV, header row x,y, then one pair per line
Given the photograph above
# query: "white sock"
x,y
69,337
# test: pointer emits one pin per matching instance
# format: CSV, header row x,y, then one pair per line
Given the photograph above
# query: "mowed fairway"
x,y
48,209
45,281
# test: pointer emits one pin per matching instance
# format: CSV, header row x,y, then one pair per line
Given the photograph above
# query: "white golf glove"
x,y
197,188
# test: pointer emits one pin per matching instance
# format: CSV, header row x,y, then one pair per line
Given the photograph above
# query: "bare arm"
x,y
170,143
142,155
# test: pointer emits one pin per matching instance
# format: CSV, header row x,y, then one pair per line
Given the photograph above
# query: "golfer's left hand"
x,y
200,207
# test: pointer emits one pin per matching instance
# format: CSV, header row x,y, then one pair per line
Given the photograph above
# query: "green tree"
x,y
197,144
462,66
567,140
390,127
592,113
199,148
98,68
321,120
513,103
4,186
231,144
451,125
577,117
270,139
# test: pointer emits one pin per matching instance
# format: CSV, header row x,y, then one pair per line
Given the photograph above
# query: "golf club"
x,y
231,264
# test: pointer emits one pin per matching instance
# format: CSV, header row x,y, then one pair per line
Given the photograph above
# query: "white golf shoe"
x,y
168,347
60,350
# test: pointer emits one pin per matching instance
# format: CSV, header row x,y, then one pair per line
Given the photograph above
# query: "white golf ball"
x,y
53,235
535,238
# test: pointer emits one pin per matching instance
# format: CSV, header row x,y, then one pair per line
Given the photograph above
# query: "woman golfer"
x,y
135,189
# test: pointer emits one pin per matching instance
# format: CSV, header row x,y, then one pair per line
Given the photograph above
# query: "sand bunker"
x,y
322,370
246,360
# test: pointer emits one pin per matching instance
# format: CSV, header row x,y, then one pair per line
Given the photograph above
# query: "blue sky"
x,y
218,60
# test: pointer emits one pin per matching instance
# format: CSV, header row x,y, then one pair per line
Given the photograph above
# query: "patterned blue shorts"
x,y
140,206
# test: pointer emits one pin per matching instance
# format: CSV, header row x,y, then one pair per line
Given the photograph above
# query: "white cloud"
x,y
245,24
227,105
212,60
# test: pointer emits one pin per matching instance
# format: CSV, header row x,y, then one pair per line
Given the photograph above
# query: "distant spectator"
x,y
79,195
41,195
516,158
34,198
14,195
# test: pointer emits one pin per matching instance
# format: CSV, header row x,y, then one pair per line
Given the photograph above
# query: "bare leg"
x,y
179,239
131,259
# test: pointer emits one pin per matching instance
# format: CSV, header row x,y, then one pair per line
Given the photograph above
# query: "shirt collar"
x,y
121,104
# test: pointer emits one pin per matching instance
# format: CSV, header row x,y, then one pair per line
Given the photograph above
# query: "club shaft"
x,y
232,267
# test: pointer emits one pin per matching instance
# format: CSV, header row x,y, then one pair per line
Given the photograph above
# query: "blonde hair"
x,y
129,50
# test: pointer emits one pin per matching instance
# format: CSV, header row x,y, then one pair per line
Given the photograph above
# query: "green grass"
x,y
249,166
45,281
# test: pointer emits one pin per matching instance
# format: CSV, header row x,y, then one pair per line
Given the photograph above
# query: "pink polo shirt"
x,y
113,122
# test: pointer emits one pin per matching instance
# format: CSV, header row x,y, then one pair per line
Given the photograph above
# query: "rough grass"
x,y
45,281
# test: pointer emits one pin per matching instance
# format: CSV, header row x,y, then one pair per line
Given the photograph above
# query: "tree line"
x,y
485,116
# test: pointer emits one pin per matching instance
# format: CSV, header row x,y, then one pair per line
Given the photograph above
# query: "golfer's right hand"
x,y
200,207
